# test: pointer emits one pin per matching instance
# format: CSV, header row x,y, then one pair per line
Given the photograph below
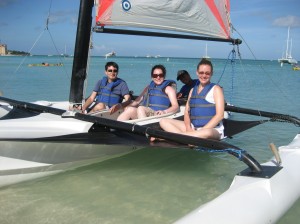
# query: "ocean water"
x,y
152,185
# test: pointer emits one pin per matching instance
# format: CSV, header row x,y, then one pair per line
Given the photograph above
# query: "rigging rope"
x,y
37,40
263,69
232,58
239,153
284,119
277,118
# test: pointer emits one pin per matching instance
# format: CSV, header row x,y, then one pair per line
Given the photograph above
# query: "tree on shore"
x,y
12,52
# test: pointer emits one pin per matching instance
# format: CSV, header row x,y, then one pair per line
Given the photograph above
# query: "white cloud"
x,y
292,21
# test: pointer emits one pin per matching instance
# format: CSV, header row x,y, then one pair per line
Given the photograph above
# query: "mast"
x,y
291,49
287,44
81,52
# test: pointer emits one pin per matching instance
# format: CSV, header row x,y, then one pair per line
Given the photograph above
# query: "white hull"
x,y
41,145
287,60
255,200
33,160
46,125
110,54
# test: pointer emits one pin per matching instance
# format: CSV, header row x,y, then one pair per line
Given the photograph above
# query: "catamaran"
x,y
110,54
287,58
206,55
43,138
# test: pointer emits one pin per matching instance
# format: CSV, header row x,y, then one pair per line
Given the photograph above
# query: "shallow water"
x,y
152,185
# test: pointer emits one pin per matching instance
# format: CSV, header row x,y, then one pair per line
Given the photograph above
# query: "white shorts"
x,y
219,128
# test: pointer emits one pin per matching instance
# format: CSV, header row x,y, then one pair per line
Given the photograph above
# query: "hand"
x,y
115,108
189,129
179,95
159,112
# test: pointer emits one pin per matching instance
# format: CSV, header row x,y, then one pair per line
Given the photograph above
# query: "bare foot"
x,y
152,139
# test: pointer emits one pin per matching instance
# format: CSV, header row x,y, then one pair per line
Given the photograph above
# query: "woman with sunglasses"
x,y
109,92
204,109
158,98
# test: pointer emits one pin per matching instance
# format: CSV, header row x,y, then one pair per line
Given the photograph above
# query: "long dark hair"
x,y
161,67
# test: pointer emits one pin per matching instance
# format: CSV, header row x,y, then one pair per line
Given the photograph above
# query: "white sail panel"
x,y
204,17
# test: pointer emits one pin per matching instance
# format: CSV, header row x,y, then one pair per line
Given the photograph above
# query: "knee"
x,y
140,109
163,122
99,106
129,110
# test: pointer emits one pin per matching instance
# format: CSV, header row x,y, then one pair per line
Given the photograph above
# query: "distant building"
x,y
3,49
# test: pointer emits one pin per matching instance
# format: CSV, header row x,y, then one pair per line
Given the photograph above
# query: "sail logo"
x,y
126,5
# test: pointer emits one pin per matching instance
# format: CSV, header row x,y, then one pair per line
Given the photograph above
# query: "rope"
x,y
37,40
238,152
232,58
284,119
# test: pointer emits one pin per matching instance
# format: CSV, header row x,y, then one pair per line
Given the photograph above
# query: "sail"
x,y
203,17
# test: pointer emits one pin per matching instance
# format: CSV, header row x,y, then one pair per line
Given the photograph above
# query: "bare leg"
x,y
143,112
208,133
128,113
99,106
176,126
172,125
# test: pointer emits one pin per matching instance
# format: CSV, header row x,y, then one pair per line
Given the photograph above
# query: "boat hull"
x,y
23,161
255,200
287,61
35,143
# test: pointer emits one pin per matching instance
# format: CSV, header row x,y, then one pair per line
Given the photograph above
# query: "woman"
x,y
204,110
158,98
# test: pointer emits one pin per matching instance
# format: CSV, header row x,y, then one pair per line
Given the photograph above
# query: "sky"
x,y
262,24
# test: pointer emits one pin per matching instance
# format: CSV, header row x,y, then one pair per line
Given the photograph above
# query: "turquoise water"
x,y
153,185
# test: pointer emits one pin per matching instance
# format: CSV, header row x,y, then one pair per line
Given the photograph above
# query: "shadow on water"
x,y
148,186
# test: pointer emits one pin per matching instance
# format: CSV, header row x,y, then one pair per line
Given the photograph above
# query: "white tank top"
x,y
210,95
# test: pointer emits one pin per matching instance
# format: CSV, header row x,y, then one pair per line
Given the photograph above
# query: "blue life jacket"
x,y
105,94
156,98
201,111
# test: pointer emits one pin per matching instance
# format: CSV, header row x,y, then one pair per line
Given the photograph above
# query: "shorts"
x,y
219,128
149,112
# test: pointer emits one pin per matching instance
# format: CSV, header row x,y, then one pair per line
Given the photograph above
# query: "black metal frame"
x,y
101,29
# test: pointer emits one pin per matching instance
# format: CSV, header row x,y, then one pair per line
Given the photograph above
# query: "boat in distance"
x,y
287,58
110,54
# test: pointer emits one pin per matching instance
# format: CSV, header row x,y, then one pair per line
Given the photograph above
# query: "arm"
x,y
119,106
170,91
139,99
89,101
180,93
187,119
220,106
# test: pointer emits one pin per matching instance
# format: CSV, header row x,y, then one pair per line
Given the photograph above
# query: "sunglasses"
x,y
110,70
158,75
202,73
